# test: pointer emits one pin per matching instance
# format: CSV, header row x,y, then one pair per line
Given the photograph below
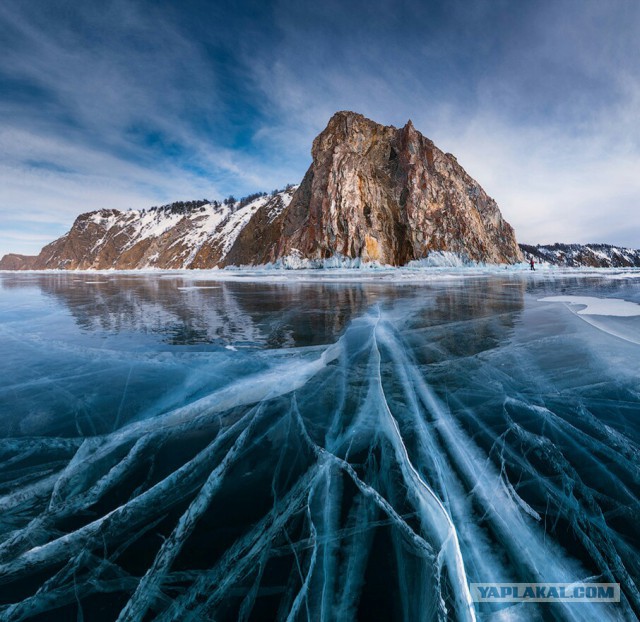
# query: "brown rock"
x,y
12,261
384,194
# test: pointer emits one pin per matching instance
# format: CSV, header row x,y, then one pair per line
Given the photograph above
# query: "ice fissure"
x,y
340,452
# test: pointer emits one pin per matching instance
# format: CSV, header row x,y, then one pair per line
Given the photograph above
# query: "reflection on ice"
x,y
418,440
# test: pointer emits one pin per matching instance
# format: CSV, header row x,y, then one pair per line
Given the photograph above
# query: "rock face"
x,y
583,255
372,192
381,194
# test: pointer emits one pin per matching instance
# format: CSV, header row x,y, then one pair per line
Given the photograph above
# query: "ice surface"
x,y
239,446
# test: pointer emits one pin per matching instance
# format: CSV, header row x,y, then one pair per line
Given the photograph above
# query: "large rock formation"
x,y
381,194
372,192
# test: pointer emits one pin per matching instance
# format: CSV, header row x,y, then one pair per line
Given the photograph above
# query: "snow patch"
x,y
599,306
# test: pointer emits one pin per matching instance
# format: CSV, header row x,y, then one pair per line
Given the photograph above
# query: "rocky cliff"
x,y
373,192
381,194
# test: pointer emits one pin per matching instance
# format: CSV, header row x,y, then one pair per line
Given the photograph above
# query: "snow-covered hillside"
x,y
590,255
192,235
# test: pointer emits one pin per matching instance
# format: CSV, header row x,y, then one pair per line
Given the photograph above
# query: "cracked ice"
x,y
432,438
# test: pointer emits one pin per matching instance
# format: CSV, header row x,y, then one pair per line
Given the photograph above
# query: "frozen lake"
x,y
316,445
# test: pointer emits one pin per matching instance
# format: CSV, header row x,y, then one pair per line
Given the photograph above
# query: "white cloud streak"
x,y
106,85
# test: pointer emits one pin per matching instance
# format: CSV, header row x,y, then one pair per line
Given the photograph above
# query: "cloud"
x,y
554,186
114,108
135,103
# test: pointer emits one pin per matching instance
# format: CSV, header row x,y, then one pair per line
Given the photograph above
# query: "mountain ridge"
x,y
593,255
149,238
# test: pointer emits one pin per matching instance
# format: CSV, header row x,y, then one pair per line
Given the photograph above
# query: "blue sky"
x,y
131,103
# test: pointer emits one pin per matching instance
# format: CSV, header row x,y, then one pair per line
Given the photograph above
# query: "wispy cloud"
x,y
118,108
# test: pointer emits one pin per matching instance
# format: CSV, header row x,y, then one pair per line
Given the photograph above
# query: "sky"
x,y
132,103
